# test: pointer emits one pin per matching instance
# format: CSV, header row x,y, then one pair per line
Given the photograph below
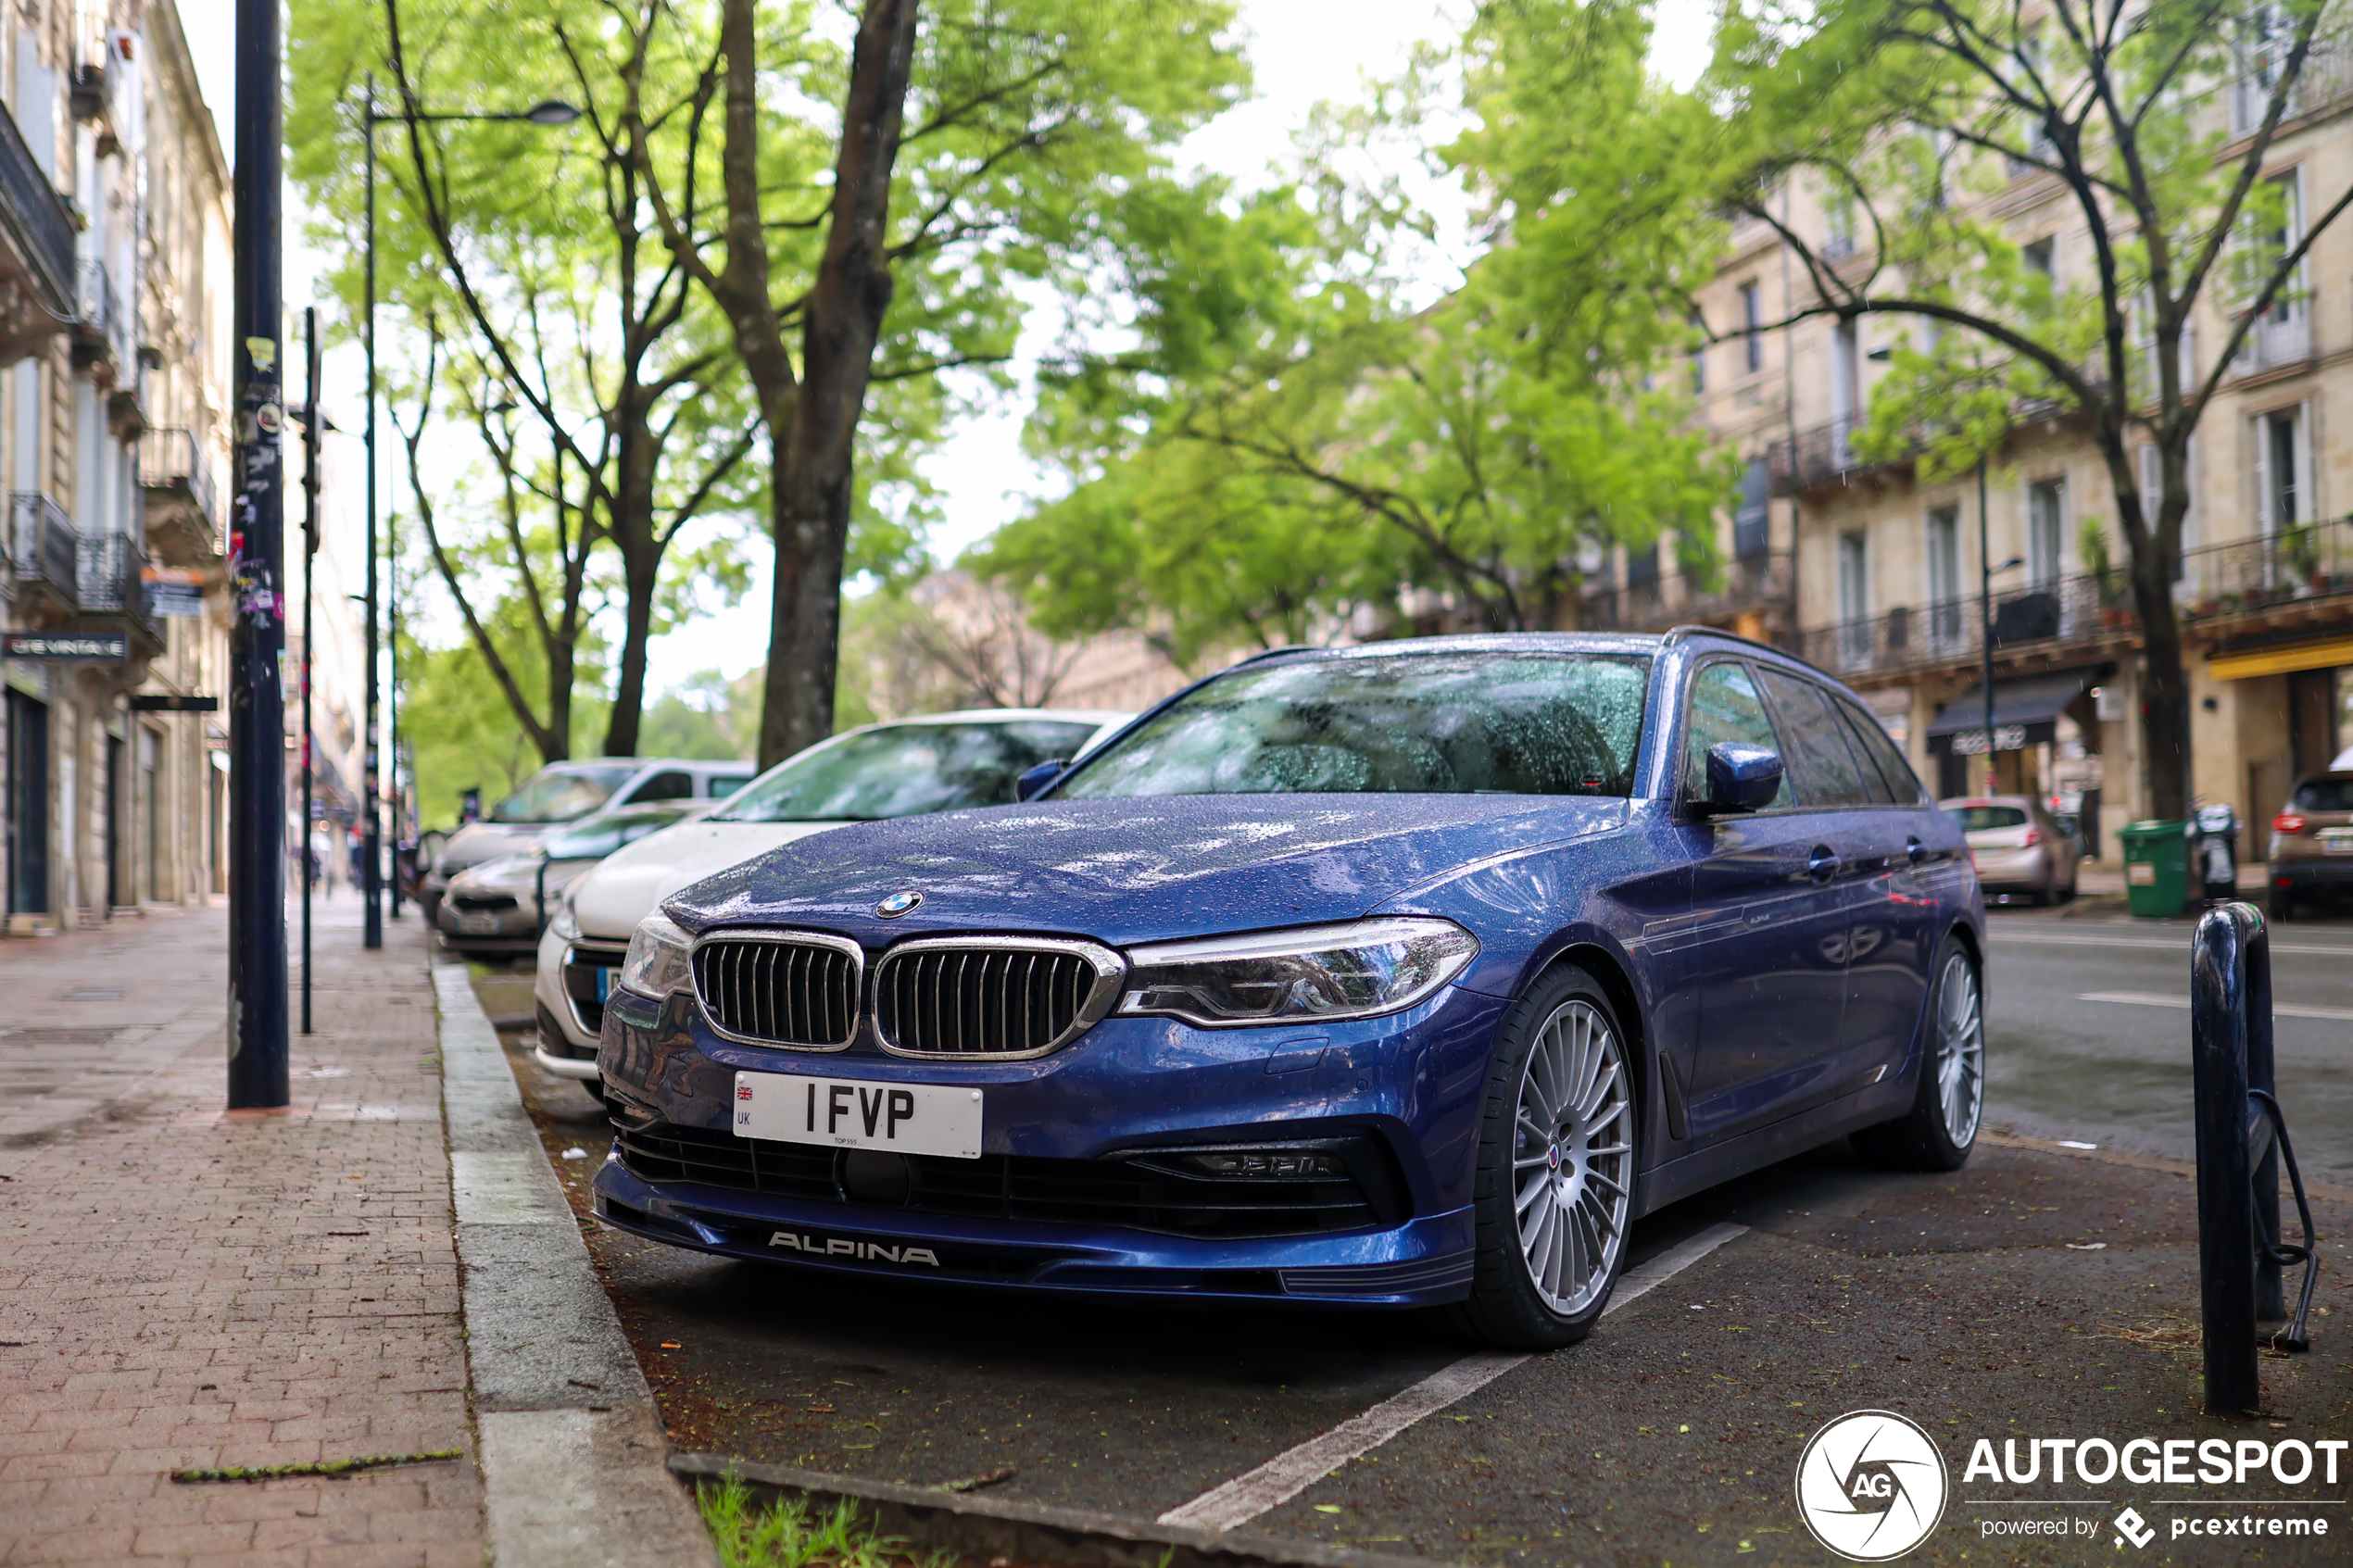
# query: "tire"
x,y
1936,1135
1556,1211
2283,905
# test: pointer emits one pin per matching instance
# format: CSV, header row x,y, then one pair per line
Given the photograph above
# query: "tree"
x,y
976,141
1313,445
543,258
1917,111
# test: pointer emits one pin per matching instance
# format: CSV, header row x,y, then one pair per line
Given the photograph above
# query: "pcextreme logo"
x,y
1871,1485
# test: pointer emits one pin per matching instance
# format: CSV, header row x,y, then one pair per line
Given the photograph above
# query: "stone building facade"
x,y
114,242
1874,574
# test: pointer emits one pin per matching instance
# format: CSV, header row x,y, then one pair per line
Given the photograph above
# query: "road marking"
x,y
1292,1472
2153,944
2155,999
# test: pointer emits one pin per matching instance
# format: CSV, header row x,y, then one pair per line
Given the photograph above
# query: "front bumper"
x,y
1410,1084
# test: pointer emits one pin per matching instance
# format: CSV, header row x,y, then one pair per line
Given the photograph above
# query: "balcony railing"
x,y
99,314
2327,76
1814,457
46,547
175,459
2275,341
114,575
1747,584
37,214
2218,582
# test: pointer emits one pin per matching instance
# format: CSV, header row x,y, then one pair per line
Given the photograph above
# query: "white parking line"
x,y
1293,1470
2039,937
2156,999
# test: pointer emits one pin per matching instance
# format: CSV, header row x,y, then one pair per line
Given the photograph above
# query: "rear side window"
x,y
725,785
675,785
1725,707
1829,773
1879,749
1989,818
2325,795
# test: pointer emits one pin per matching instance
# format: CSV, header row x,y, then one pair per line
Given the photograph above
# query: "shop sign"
x,y
1971,743
112,646
174,590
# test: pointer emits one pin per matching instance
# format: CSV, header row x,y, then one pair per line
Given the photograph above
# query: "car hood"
x,y
627,886
477,842
1136,870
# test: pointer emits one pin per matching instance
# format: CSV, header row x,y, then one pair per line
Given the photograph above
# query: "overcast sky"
x,y
1303,51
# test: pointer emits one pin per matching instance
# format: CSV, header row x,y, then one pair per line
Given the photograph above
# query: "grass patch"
x,y
793,1535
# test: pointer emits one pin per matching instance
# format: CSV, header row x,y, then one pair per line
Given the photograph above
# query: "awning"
x,y
2281,660
2026,711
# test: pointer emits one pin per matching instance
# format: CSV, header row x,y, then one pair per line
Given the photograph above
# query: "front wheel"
x,y
1554,1195
1941,1128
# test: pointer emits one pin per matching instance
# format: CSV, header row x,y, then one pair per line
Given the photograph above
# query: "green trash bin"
x,y
2156,869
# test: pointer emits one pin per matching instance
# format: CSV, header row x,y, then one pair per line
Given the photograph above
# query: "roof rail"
x,y
1686,633
1275,653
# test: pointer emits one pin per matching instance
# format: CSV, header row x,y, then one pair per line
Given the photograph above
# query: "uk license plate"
x,y
848,1113
478,926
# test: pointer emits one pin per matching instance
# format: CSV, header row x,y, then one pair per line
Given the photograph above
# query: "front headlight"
x,y
657,962
565,924
1360,970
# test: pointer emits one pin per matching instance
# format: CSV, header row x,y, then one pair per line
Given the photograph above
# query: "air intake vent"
x,y
991,997
784,990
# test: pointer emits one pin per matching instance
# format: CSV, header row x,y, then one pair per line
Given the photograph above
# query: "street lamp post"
x,y
548,113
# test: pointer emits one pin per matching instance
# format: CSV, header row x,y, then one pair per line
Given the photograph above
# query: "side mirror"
x,y
1741,778
1032,785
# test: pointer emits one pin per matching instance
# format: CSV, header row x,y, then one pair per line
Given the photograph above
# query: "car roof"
x,y
1537,642
984,715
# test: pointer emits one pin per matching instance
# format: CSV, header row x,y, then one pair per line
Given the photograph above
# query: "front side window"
x,y
672,784
903,770
1725,707
1432,723
1829,773
562,793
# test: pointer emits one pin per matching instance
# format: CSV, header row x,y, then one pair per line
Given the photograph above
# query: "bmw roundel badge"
x,y
898,904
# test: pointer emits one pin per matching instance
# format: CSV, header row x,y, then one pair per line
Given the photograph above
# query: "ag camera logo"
x,y
1871,1485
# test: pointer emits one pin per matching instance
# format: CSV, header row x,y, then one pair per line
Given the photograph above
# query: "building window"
x,y
1699,354
1642,564
1752,318
2045,530
2280,469
2042,257
1752,525
1854,599
1943,552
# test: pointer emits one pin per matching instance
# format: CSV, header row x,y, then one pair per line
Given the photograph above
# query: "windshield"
x,y
1989,818
595,840
562,793
2324,795
903,770
1430,723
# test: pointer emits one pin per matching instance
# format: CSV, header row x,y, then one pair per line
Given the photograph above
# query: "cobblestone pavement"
x,y
184,1287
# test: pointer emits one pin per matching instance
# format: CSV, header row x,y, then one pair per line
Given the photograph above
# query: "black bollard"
x,y
2219,1016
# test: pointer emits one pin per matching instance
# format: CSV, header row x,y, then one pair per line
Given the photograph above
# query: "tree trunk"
x,y
2155,551
633,534
812,458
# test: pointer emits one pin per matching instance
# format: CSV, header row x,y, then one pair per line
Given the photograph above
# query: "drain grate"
x,y
56,1036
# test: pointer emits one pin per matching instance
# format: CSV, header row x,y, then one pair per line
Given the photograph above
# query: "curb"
x,y
930,1519
566,1483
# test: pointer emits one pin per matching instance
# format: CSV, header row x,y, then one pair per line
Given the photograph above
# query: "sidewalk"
x,y
181,1287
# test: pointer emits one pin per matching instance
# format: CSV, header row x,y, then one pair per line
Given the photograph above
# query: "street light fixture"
x,y
549,113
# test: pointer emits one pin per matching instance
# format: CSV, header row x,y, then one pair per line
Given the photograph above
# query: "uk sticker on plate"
x,y
848,1114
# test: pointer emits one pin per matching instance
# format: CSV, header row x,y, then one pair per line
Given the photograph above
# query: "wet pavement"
x,y
2032,1294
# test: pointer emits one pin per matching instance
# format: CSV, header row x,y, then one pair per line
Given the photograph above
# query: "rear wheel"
x,y
1554,1195
2282,905
1941,1128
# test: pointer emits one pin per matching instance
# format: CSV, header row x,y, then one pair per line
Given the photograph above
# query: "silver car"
x,y
492,910
2020,847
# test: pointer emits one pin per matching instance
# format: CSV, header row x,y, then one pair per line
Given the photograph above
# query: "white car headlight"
x,y
1359,969
657,962
565,924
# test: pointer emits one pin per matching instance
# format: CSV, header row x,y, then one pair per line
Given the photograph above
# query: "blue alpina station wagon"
x,y
1408,975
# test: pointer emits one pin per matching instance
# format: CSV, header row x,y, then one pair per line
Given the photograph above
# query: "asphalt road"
x,y
2032,1292
2082,1043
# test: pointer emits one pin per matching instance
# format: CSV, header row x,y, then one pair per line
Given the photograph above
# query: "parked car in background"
x,y
566,792
1408,975
2022,849
938,764
2312,855
492,910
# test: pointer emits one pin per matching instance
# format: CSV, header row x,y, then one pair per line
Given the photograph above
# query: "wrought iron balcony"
x,y
36,249
184,514
2314,560
1823,455
45,547
102,328
1762,584
2276,340
114,581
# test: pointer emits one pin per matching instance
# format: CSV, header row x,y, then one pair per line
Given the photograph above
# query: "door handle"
x,y
1823,865
1916,850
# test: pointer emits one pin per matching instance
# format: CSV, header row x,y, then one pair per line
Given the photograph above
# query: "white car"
x,y
942,762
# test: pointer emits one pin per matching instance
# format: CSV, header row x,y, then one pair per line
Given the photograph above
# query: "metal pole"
x,y
309,623
393,792
371,836
1985,608
257,633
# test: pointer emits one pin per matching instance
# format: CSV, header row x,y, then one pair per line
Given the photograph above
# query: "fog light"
x,y
1267,1162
